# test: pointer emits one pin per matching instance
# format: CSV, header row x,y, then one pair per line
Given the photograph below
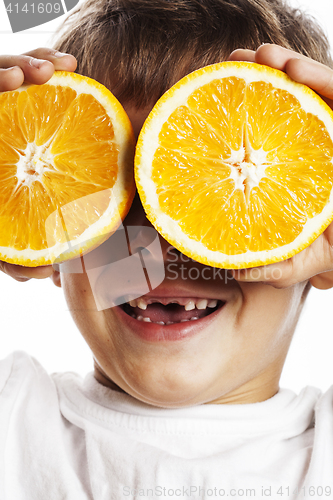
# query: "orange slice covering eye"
x,y
66,169
234,165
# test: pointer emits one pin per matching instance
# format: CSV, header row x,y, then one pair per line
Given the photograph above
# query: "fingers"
x,y
56,278
316,76
301,267
300,68
35,67
322,281
29,70
242,55
279,275
60,61
277,57
11,78
314,263
21,273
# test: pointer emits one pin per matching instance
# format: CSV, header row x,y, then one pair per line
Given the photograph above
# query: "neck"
x,y
104,380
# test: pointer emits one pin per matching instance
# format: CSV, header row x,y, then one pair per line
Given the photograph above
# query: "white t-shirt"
x,y
67,438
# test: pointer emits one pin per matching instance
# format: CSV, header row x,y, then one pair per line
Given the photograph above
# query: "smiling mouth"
x,y
169,311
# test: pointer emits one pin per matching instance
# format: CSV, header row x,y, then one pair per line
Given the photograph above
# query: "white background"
x,y
35,317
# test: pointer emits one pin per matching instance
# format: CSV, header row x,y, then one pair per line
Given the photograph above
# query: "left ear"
x,y
55,277
322,281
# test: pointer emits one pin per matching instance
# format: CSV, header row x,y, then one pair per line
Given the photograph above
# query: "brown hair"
x,y
139,48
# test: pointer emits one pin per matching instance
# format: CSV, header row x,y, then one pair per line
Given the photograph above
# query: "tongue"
x,y
171,312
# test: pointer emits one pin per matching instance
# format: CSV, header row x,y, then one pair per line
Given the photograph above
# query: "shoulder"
x,y
17,367
40,453
27,394
25,382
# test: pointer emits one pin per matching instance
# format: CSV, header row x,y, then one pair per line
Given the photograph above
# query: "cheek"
x,y
77,291
257,344
269,315
81,304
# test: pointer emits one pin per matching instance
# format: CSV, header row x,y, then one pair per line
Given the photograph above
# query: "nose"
x,y
141,233
136,215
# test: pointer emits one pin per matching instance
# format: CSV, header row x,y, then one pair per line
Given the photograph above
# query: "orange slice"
x,y
234,165
66,169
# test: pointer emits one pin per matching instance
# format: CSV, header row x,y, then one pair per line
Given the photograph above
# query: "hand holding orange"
x,y
36,66
314,263
66,158
234,165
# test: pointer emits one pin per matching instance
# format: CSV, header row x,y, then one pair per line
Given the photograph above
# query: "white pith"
x,y
35,160
250,166
31,165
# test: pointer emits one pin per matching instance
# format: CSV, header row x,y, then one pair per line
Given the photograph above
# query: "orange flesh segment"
x,y
199,144
82,160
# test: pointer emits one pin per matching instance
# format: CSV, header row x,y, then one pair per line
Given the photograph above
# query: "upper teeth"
x,y
142,304
189,304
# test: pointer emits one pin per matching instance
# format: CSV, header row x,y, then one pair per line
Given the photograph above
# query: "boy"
x,y
202,416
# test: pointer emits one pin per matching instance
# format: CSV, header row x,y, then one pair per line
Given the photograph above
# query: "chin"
x,y
169,400
168,390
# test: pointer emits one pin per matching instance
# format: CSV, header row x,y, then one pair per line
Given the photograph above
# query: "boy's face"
x,y
234,354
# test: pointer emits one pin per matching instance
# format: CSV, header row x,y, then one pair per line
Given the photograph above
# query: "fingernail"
x,y
36,63
59,54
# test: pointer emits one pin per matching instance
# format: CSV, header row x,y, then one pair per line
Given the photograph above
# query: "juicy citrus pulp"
x,y
66,169
234,165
